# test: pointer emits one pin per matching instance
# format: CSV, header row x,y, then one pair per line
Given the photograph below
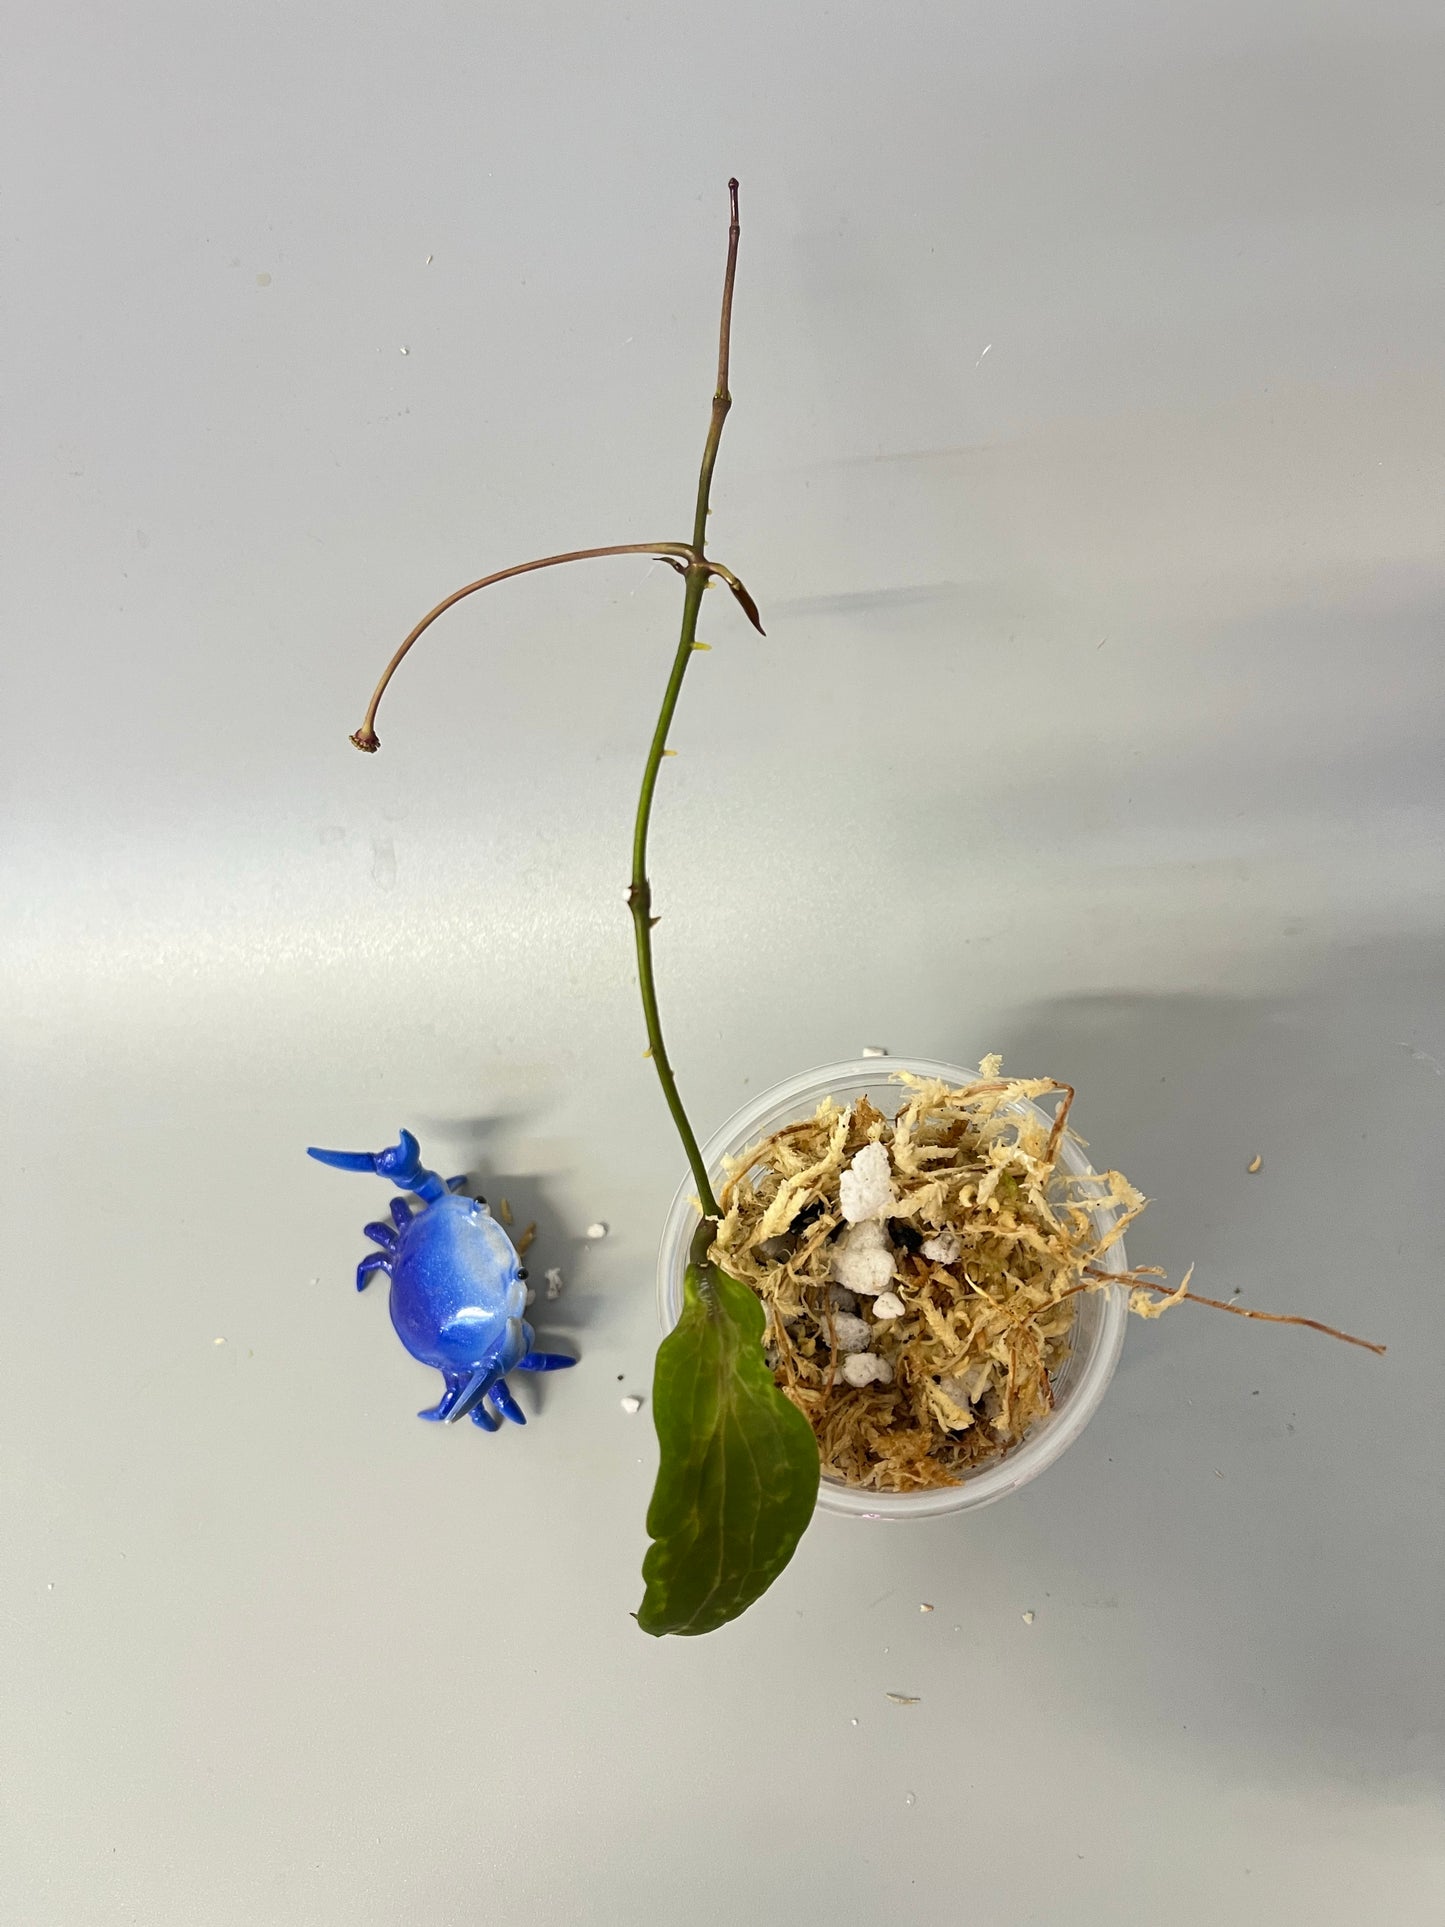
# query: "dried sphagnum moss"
x,y
974,1353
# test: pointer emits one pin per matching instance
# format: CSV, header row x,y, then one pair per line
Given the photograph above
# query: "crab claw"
x,y
401,1162
344,1160
483,1382
474,1391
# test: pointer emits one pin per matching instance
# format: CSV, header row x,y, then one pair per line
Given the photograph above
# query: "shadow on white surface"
x,y
1268,1501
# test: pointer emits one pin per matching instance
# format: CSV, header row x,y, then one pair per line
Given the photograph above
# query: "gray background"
x,y
1087,462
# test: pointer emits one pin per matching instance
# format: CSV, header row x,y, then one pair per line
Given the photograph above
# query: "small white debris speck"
x,y
904,1699
1028,1619
850,1334
941,1249
910,1799
406,351
863,1260
852,1722
632,1403
925,1607
862,1368
874,1050
218,1341
865,1189
429,260
1255,1164
596,1231
553,1281
888,1305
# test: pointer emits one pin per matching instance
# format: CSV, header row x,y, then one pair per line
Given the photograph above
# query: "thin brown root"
x,y
1219,1304
1061,1118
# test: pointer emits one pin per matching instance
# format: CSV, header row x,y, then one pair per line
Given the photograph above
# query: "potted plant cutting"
x,y
892,1288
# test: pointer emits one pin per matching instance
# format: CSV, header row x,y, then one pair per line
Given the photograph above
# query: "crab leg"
x,y
373,1261
506,1404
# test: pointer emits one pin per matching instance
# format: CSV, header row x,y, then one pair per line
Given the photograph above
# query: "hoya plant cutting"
x,y
897,1287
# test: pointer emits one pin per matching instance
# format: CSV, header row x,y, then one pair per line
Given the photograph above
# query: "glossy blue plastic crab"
x,y
458,1287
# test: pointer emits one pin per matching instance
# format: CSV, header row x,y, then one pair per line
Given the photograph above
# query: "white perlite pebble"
x,y
874,1050
941,1249
850,1334
862,1368
966,1390
598,1230
888,1305
553,1281
863,1259
632,1403
865,1189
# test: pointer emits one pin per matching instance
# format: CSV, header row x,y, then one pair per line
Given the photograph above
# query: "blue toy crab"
x,y
458,1287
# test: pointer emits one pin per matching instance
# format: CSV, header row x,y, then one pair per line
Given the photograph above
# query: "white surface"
x,y
1089,423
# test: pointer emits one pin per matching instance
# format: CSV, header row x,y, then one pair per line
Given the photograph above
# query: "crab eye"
x,y
523,1273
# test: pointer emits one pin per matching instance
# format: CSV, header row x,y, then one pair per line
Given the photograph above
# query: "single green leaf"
x,y
739,1472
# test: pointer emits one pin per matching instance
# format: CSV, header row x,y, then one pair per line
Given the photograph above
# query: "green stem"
x,y
639,897
697,570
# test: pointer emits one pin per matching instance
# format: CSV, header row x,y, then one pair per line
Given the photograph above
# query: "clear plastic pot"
x,y
1099,1320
